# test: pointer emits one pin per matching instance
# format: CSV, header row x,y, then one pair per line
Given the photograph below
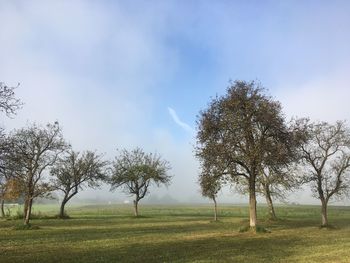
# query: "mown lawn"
x,y
177,234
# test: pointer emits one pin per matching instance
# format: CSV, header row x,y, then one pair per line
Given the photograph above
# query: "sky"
x,y
126,74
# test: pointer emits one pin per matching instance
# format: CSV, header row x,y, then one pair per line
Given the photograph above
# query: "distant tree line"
x,y
36,160
245,141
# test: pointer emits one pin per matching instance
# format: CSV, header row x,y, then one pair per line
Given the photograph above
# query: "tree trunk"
x,y
29,212
62,214
324,213
215,210
25,207
252,203
270,204
136,212
2,208
65,200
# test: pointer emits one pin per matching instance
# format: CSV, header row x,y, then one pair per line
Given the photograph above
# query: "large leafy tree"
x,y
241,132
136,171
34,149
327,161
75,171
276,180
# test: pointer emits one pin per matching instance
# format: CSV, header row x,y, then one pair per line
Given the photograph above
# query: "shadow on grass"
x,y
26,227
79,232
220,249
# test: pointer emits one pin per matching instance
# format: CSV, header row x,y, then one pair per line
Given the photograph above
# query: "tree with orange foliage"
x,y
11,190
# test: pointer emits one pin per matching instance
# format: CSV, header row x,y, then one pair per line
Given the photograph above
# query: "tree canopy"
x,y
74,171
136,171
326,157
33,150
242,131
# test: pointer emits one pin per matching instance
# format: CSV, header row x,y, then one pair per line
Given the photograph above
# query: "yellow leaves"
x,y
13,189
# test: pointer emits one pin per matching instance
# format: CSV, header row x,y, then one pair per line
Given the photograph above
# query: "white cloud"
x,y
325,98
177,120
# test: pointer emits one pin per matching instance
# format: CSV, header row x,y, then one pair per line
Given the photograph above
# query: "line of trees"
x,y
245,141
36,160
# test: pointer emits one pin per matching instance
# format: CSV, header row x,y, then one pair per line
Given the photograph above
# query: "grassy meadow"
x,y
97,233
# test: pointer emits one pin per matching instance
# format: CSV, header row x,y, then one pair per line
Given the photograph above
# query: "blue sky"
x,y
136,73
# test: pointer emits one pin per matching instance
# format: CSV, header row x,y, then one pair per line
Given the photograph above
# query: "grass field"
x,y
176,234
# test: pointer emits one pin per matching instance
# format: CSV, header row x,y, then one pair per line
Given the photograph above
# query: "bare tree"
x,y
34,150
275,184
240,132
281,175
8,102
75,171
327,159
136,170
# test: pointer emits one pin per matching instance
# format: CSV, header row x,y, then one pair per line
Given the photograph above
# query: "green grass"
x,y
176,234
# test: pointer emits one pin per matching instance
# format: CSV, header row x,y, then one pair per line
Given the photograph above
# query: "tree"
x,y
5,176
8,103
210,180
75,171
3,184
242,131
10,190
210,186
276,183
136,170
327,161
278,178
33,150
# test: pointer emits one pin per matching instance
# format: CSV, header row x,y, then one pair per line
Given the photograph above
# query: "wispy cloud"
x,y
177,120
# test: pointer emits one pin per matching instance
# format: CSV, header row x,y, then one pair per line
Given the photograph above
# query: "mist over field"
x,y
121,75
